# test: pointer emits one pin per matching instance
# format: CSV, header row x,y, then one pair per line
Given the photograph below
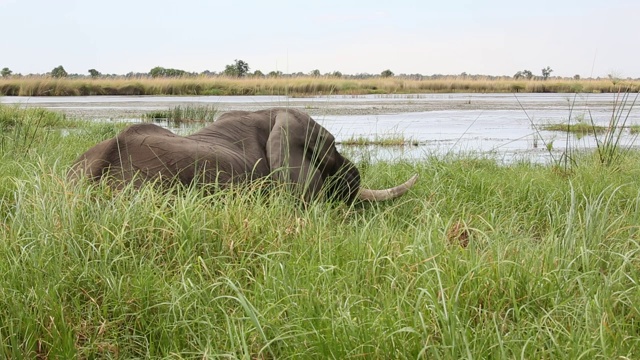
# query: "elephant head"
x,y
281,144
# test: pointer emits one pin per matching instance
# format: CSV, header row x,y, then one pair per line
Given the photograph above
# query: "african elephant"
x,y
282,144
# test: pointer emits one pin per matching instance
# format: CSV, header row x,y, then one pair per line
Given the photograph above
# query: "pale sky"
x,y
491,37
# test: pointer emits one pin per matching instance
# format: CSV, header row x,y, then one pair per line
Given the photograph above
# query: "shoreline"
x,y
122,107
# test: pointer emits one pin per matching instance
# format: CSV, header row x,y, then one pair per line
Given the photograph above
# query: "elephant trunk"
x,y
387,194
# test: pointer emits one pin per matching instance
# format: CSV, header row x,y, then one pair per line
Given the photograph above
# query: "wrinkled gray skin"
x,y
285,145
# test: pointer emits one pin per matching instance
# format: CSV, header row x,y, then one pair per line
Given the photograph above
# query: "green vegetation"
x,y
546,73
278,84
159,71
185,114
393,140
479,260
608,138
22,128
238,69
94,73
580,128
59,72
609,145
6,72
386,73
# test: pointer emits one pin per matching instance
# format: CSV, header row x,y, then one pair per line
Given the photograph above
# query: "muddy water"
x,y
503,126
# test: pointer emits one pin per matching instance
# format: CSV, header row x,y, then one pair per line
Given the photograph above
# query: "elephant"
x,y
281,144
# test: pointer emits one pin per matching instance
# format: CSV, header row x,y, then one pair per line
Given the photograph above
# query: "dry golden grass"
x,y
297,86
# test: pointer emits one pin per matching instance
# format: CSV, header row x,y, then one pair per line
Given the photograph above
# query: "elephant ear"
x,y
299,153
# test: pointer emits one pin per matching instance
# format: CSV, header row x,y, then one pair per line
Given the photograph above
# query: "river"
x,y
503,126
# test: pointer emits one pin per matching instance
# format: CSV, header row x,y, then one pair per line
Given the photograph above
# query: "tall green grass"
x,y
550,269
21,128
609,138
610,143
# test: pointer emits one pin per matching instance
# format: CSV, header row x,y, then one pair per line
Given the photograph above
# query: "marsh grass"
x,y
297,86
609,145
20,128
549,269
188,114
578,128
382,140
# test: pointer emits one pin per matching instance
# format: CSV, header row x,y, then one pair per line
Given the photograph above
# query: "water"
x,y
507,135
503,126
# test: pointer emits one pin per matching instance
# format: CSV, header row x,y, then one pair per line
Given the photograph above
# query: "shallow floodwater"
x,y
503,126
507,135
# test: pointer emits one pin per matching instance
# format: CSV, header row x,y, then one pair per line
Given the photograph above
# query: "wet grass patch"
x,y
398,140
578,128
188,114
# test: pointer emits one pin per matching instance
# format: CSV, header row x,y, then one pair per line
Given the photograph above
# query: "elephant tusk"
x,y
387,194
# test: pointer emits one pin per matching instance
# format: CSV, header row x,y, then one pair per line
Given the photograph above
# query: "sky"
x,y
498,37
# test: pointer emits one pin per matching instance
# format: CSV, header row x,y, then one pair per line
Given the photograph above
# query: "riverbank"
x,y
301,86
114,107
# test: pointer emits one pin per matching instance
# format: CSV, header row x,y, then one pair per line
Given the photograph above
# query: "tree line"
x,y
240,68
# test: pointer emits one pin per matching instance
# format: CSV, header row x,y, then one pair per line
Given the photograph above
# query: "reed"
x,y
188,114
394,140
577,128
297,86
610,145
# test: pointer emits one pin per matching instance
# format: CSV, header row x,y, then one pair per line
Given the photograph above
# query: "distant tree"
x,y
315,73
59,72
131,75
576,77
362,76
275,73
337,74
386,73
523,74
238,69
230,70
159,71
258,73
176,72
5,72
94,73
546,72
